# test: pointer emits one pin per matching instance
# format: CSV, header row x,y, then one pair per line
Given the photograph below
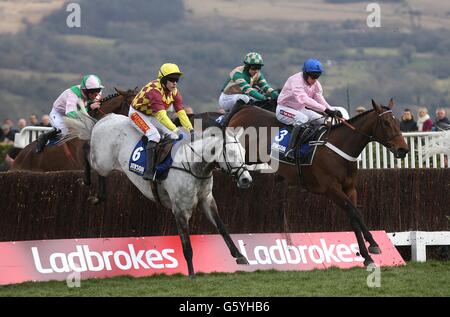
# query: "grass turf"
x,y
414,279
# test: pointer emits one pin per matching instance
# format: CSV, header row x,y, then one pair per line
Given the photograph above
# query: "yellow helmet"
x,y
169,69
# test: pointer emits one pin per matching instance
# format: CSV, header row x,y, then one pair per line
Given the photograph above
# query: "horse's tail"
x,y
438,145
80,127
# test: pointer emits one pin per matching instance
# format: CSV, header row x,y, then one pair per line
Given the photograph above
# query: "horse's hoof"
x,y
94,200
369,263
192,276
242,260
375,250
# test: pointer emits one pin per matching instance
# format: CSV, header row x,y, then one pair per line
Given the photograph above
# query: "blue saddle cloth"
x,y
305,152
138,161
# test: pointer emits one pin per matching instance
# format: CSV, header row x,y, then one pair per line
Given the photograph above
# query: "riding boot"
x,y
290,151
237,106
151,158
44,137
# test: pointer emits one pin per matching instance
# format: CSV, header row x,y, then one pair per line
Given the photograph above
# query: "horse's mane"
x,y
109,97
358,116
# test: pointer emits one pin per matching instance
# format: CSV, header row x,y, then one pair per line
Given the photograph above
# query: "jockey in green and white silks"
x,y
246,83
83,98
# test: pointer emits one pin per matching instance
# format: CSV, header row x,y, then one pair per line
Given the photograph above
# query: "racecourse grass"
x,y
414,279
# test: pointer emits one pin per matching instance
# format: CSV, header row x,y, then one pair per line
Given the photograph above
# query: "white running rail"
x,y
28,135
376,155
419,240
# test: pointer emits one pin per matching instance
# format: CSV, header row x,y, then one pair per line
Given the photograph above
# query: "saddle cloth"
x,y
305,151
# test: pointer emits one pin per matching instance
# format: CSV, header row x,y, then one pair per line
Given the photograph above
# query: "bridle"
x,y
123,104
235,172
371,138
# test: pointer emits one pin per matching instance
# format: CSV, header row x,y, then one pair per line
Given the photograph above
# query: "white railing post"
x,y
28,135
418,247
371,158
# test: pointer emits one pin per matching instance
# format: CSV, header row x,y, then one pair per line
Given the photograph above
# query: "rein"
x,y
235,172
370,138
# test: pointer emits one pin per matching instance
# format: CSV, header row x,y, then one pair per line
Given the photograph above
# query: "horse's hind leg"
x,y
339,197
373,248
209,206
182,220
87,164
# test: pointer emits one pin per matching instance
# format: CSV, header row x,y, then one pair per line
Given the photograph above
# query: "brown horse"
x,y
330,173
70,155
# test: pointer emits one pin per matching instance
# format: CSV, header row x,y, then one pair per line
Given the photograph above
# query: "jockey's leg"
x,y
56,120
293,117
232,104
144,125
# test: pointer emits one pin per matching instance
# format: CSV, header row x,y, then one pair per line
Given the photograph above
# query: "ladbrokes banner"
x,y
99,258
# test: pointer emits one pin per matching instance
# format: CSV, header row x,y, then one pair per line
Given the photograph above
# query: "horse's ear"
x,y
391,103
120,92
375,105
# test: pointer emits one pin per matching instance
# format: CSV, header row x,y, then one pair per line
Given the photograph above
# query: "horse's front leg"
x,y
373,248
209,207
182,219
342,200
101,196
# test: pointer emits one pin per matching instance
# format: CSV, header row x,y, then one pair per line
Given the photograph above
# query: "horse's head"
x,y
118,103
387,130
232,158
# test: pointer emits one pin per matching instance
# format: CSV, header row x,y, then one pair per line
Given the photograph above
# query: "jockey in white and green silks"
x,y
79,98
246,83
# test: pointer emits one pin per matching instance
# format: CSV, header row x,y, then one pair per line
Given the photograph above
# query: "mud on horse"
x,y
332,173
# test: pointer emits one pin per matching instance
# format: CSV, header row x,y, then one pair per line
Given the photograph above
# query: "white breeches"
x,y
226,102
149,126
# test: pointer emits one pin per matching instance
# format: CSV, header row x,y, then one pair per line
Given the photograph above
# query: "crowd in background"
x,y
424,123
9,129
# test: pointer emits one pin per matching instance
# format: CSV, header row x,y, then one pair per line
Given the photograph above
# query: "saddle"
x,y
305,151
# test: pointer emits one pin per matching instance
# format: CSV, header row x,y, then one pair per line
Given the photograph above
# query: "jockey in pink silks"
x,y
301,101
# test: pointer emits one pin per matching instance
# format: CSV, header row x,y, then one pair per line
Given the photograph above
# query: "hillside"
x,y
14,13
124,42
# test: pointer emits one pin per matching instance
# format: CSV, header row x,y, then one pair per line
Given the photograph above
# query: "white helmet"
x,y
91,82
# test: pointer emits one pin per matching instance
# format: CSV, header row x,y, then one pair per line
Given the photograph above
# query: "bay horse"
x,y
189,182
70,155
331,174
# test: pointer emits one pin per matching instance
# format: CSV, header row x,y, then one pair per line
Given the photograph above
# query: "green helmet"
x,y
253,59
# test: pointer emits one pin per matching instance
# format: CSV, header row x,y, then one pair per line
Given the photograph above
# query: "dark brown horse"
x,y
70,155
331,174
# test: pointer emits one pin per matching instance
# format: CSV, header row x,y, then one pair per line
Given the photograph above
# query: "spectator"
x,y
34,120
424,122
22,123
45,121
8,134
188,110
442,122
408,124
10,123
360,110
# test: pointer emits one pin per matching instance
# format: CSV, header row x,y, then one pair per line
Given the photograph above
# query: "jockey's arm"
x,y
302,98
71,107
181,113
184,119
162,117
266,88
246,88
321,99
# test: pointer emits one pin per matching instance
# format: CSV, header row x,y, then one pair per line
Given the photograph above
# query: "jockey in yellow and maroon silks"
x,y
148,112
